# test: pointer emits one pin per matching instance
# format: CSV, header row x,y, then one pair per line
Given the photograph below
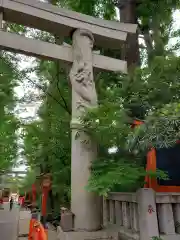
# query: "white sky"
x,y
31,109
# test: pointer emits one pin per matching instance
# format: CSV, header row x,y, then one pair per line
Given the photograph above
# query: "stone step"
x,y
104,234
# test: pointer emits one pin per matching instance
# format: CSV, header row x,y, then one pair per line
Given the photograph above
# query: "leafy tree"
x,y
8,122
25,184
151,95
47,141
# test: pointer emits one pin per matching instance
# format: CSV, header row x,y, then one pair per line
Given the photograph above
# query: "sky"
x,y
176,24
177,19
30,110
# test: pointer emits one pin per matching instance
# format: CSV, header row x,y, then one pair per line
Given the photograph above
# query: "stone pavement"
x,y
9,223
52,234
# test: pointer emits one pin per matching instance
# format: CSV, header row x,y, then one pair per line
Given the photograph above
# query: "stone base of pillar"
x,y
98,235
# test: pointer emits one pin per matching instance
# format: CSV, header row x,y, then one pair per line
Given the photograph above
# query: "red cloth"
x,y
44,200
38,233
22,200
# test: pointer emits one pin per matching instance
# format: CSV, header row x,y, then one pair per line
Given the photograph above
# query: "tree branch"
x,y
49,94
58,79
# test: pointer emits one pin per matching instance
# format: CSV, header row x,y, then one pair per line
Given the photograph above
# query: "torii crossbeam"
x,y
86,32
60,21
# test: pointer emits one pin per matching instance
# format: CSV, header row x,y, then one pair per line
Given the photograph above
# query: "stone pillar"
x,y
148,223
84,205
166,219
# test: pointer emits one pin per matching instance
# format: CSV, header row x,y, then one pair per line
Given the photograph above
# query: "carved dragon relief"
x,y
83,86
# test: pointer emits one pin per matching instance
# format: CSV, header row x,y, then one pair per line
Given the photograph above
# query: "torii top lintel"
x,y
60,21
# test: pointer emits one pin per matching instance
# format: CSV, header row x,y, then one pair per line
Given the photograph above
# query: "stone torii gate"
x,y
86,32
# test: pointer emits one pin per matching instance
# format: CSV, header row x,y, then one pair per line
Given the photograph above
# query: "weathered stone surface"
x,y
15,43
176,211
60,21
131,28
148,223
166,219
126,215
66,222
9,223
52,233
97,235
85,205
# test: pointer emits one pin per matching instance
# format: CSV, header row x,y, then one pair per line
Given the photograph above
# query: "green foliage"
x,y
13,183
99,8
161,128
156,238
151,94
47,141
119,175
8,141
25,184
8,76
32,138
151,91
8,122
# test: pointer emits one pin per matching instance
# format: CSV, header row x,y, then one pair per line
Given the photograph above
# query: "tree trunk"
x,y
130,51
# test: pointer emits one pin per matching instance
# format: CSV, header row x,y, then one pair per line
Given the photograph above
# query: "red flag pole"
x,y
45,191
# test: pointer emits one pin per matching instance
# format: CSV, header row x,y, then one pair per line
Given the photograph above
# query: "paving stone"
x,y
9,223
